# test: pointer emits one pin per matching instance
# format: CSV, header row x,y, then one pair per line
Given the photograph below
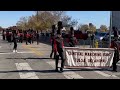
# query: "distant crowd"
x,y
27,35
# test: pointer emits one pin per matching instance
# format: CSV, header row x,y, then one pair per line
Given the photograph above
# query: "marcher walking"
x,y
3,34
114,44
115,32
37,37
15,42
52,42
58,46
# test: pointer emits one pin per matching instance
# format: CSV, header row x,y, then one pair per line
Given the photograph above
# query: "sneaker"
x,y
61,69
56,70
50,56
13,50
114,70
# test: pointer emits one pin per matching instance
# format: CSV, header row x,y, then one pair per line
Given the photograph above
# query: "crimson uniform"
x,y
58,47
72,41
27,37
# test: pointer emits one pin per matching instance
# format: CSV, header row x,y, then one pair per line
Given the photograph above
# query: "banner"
x,y
89,57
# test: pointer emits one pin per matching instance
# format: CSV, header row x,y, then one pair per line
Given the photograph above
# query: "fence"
x,y
81,42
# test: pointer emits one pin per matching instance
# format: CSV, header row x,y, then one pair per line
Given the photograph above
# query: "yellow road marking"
x,y
34,50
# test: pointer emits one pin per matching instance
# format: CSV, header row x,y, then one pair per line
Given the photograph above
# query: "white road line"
x,y
26,75
68,75
6,53
104,74
15,53
25,52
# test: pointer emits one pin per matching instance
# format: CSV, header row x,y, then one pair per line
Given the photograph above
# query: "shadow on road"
x,y
52,71
29,71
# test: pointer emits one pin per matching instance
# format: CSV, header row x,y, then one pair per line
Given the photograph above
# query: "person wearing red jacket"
x,y
21,37
27,37
72,40
58,47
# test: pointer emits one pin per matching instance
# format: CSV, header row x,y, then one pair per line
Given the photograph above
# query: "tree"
x,y
58,15
92,28
103,28
23,23
43,20
31,22
55,15
84,27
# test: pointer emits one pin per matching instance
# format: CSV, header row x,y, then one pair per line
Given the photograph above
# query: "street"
x,y
33,62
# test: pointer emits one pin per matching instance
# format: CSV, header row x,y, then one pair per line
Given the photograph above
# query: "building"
x,y
116,19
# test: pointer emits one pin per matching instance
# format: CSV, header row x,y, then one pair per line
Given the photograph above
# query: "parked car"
x,y
106,37
100,36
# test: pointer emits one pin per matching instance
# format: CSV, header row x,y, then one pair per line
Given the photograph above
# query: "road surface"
x,y
33,62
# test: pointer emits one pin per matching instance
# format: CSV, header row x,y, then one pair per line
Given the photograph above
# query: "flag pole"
x,y
110,29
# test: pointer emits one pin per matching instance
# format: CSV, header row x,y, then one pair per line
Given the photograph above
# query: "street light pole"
x,y
37,16
37,19
110,30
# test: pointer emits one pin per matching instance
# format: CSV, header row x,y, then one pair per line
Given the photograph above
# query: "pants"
x,y
26,41
37,39
53,51
52,54
29,40
62,60
115,60
15,46
3,37
32,39
21,39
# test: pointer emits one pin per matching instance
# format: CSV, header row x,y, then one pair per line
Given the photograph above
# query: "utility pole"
x,y
37,16
110,30
37,19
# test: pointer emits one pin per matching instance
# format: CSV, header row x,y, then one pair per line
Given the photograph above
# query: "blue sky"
x,y
9,18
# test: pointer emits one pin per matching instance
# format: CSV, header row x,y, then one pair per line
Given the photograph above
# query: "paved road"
x,y
33,62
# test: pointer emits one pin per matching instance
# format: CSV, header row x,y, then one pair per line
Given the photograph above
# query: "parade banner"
x,y
88,57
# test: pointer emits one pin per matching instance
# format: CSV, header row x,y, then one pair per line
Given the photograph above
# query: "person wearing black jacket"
x,y
116,56
115,45
15,38
115,32
52,41
3,34
37,37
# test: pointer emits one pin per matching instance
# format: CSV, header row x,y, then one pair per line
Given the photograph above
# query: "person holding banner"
x,y
115,45
115,32
58,46
72,40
